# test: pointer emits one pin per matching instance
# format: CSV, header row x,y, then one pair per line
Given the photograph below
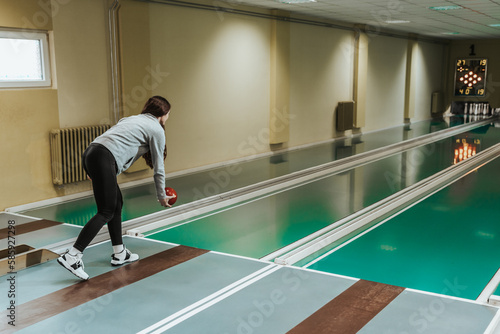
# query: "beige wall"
x,y
215,72
135,56
429,62
214,67
385,92
321,75
25,120
26,116
81,55
26,14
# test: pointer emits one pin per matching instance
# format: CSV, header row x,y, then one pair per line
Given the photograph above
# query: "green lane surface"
x,y
141,200
449,243
260,227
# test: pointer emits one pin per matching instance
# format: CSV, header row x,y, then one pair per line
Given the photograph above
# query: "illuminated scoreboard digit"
x,y
470,77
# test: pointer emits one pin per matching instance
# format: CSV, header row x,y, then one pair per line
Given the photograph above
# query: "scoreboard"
x,y
470,76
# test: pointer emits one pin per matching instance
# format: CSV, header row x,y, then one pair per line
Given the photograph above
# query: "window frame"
x,y
43,38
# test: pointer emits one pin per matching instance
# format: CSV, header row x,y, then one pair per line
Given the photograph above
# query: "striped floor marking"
x,y
351,310
28,227
59,301
209,301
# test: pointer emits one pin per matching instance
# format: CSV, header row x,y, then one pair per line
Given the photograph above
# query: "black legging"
x,y
100,166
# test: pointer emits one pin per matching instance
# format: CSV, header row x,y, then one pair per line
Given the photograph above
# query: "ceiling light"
x,y
494,25
296,1
451,33
396,21
445,7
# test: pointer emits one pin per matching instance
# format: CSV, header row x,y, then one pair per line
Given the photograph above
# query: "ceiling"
x,y
472,20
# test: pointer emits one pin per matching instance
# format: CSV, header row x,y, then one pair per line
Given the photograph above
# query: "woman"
x,y
105,158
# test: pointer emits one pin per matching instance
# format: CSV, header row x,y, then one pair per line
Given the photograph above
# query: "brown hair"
x,y
157,106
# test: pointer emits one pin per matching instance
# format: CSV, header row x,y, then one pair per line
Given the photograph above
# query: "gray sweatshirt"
x,y
133,136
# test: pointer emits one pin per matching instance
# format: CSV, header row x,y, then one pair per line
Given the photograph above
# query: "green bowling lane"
x,y
449,243
141,200
265,225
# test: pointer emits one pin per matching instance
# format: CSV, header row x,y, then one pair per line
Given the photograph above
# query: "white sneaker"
x,y
124,256
73,264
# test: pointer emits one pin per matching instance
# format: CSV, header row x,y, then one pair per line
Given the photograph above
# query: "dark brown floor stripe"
x,y
59,301
28,227
349,311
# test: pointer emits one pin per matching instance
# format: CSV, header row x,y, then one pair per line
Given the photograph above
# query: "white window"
x,y
24,59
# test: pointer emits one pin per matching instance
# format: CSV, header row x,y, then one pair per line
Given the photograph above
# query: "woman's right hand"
x,y
164,202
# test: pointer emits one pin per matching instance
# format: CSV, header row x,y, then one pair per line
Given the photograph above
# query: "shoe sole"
x,y
115,264
63,264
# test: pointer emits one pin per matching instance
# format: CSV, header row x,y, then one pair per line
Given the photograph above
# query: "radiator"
x,y
345,116
67,146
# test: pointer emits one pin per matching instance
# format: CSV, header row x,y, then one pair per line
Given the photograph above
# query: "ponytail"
x,y
157,106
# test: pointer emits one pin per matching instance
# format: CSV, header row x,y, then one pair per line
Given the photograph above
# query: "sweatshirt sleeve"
x,y
156,147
